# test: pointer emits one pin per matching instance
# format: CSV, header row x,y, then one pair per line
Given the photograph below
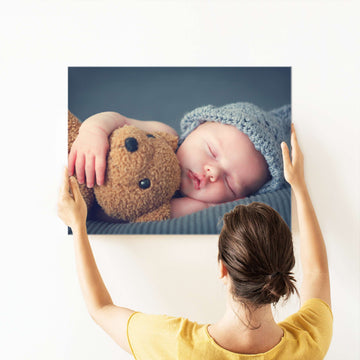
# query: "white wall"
x,y
42,312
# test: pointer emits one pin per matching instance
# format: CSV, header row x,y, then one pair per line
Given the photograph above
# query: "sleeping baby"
x,y
225,153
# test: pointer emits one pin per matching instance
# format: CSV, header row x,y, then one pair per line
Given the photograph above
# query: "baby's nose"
x,y
212,173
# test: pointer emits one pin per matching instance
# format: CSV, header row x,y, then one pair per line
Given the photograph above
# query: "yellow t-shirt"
x,y
307,335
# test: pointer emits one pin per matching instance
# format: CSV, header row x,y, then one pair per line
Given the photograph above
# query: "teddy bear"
x,y
142,174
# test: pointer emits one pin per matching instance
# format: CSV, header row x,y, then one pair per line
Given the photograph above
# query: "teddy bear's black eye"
x,y
150,135
131,144
144,184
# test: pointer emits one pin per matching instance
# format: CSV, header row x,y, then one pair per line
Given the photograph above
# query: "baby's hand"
x,y
293,168
88,155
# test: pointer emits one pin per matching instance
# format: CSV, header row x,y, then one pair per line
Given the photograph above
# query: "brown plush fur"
x,y
121,197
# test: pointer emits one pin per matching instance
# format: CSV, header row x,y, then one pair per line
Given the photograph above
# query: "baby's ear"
x,y
172,140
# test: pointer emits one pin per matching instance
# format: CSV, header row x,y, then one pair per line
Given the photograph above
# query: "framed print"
x,y
181,145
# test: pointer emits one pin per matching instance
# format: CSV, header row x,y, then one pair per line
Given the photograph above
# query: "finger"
x,y
295,151
80,165
294,143
75,188
100,166
285,155
71,161
89,171
64,188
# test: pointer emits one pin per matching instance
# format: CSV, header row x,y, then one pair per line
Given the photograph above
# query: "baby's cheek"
x,y
216,193
180,154
243,192
185,185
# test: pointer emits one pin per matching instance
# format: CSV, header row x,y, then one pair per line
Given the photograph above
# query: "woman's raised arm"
x,y
316,280
113,319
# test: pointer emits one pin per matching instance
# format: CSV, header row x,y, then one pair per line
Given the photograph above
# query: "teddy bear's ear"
x,y
172,140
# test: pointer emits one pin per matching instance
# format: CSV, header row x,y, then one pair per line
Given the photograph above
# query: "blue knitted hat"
x,y
265,129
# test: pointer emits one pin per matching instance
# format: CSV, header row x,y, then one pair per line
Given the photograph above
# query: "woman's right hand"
x,y
294,167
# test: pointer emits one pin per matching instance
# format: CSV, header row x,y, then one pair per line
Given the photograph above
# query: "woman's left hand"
x,y
72,208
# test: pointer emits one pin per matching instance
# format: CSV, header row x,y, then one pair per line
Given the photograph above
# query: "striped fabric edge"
x,y
203,222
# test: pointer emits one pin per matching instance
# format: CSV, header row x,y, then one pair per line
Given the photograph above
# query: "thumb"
x,y
75,188
285,155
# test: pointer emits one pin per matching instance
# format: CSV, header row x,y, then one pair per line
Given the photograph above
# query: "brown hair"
x,y
255,245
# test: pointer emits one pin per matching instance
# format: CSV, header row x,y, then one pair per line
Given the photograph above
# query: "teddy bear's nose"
x,y
131,144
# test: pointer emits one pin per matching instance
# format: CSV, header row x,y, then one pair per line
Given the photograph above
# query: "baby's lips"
x,y
197,181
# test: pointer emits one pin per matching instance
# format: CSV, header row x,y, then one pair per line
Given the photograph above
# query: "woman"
x,y
255,262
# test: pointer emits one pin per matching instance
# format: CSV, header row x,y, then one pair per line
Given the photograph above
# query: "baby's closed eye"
x,y
212,151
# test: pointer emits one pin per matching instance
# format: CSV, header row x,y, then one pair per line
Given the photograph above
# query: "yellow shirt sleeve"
x,y
314,321
153,336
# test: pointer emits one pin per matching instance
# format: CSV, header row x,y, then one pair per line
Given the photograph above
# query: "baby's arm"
x,y
88,153
184,206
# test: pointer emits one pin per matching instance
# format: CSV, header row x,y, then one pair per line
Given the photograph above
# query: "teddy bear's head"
x,y
142,175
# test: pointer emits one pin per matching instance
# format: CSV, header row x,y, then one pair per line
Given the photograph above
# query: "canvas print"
x,y
169,150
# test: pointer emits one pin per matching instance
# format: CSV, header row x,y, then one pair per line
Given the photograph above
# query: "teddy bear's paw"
x,y
161,213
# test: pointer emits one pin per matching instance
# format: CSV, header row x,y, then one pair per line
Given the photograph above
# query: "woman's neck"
x,y
247,331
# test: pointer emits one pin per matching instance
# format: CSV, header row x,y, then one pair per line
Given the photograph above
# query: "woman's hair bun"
x,y
279,284
255,245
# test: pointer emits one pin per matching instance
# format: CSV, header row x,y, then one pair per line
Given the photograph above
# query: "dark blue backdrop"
x,y
166,93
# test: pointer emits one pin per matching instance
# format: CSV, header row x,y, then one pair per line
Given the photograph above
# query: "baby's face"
x,y
219,163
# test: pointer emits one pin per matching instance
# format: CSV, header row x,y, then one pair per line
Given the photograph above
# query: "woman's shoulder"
x,y
162,334
312,312
311,326
172,324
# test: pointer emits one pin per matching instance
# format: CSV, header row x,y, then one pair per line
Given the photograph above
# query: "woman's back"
x,y
306,335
